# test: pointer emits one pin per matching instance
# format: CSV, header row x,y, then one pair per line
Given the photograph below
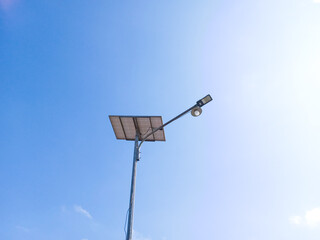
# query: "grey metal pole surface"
x,y
133,186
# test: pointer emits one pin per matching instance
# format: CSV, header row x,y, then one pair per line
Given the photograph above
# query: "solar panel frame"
x,y
125,127
158,134
117,127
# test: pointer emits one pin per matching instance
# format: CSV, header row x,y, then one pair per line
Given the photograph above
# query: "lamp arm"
x,y
162,126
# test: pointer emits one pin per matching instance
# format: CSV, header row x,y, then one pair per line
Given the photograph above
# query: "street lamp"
x,y
196,112
145,128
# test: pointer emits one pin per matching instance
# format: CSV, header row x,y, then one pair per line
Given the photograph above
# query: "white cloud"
x,y
316,1
313,217
295,219
82,211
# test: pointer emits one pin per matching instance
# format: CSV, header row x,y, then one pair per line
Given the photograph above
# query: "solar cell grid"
x,y
125,127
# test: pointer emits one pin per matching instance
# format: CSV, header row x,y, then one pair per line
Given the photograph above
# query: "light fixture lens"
x,y
196,111
204,100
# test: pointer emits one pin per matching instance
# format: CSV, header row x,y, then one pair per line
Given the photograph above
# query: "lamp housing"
x,y
204,100
196,112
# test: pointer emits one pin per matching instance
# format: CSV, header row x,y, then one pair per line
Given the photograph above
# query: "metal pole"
x,y
133,184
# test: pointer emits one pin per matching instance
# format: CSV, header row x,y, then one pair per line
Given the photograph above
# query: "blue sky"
x,y
247,168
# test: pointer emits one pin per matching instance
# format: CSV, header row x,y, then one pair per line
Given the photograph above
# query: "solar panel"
x,y
125,127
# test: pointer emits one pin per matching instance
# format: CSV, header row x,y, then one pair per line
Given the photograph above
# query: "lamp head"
x,y
196,111
204,100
